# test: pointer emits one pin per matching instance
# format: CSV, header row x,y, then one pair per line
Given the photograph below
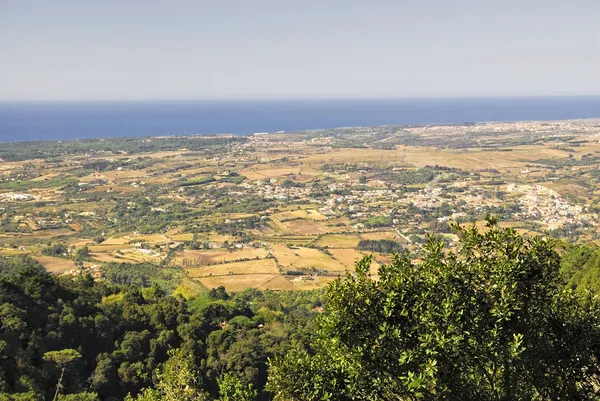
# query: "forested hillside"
x,y
120,335
503,318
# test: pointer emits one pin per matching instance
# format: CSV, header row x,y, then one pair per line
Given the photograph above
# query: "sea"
x,y
34,121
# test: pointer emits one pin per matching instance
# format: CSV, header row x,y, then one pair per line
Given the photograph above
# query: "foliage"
x,y
56,249
83,396
142,275
382,246
580,266
490,322
378,221
176,381
82,253
62,357
232,389
118,340
16,151
196,181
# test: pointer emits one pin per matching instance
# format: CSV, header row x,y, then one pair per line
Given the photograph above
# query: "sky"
x,y
246,49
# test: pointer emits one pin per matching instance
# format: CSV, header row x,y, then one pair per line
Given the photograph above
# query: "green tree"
x,y
489,322
82,253
176,381
232,389
62,359
85,396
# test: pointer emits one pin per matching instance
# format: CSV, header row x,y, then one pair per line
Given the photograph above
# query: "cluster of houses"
x,y
548,207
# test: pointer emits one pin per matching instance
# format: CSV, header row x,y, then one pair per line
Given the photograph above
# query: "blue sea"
x,y
30,121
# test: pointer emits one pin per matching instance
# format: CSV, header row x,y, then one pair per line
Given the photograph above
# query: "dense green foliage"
x,y
142,275
115,340
580,266
56,249
491,322
16,151
57,182
381,246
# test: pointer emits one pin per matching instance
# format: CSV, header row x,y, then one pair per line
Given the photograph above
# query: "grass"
x,y
339,240
56,182
190,288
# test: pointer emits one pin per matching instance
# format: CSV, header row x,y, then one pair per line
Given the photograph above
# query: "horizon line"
x,y
284,99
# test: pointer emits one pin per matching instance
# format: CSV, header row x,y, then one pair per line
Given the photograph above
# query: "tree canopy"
x,y
489,322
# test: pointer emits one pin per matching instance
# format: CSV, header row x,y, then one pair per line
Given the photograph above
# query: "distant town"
x,y
287,211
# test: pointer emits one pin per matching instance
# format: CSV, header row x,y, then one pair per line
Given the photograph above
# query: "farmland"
x,y
295,210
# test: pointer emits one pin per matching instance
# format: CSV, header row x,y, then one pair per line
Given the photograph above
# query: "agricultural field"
x,y
241,282
212,257
289,211
262,266
305,259
56,265
339,240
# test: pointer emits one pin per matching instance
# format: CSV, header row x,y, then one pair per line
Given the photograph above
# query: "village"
x,y
295,210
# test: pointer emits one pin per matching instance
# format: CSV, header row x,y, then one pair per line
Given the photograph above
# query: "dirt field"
x,y
305,258
309,227
377,235
56,265
353,155
103,247
254,173
202,258
308,214
53,233
318,282
349,257
116,241
475,159
109,257
263,266
241,282
181,237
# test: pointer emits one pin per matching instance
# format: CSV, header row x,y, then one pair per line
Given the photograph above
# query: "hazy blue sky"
x,y
150,49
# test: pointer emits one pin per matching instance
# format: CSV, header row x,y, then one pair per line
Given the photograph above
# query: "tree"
x,y
218,293
82,253
176,381
61,358
11,318
489,322
85,396
232,389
